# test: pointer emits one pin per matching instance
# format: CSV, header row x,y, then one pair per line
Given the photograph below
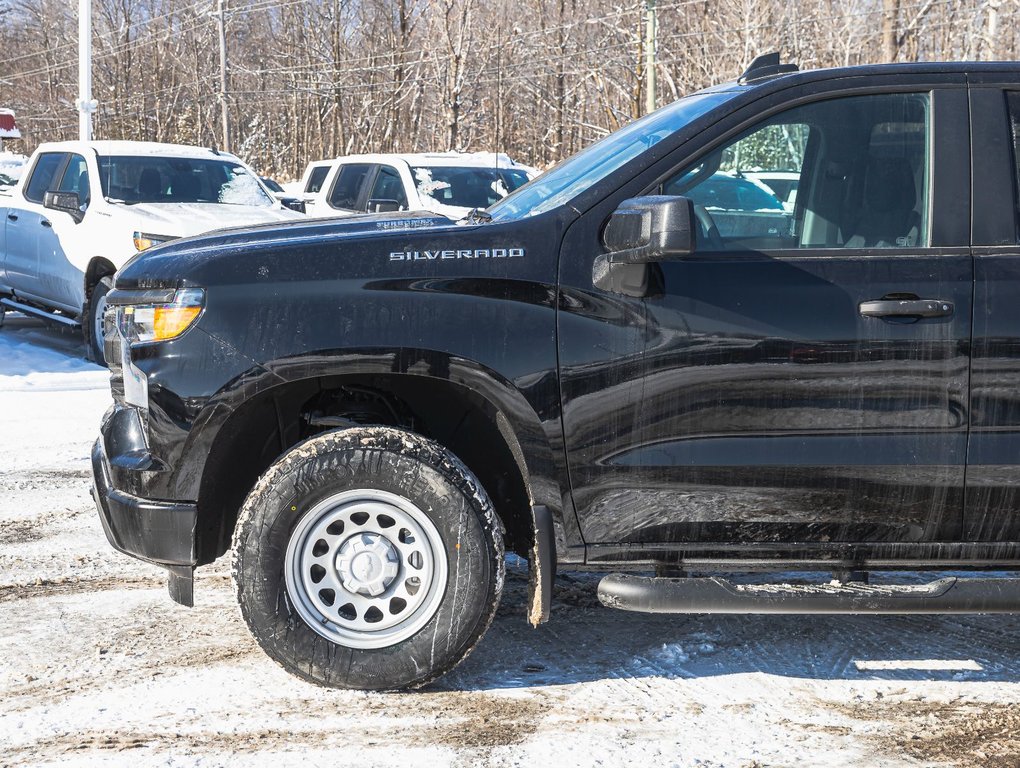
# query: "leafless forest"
x,y
535,78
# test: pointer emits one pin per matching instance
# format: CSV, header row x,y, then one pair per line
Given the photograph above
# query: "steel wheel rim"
x,y
365,568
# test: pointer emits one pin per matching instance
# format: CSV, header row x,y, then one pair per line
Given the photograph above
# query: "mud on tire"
x,y
299,560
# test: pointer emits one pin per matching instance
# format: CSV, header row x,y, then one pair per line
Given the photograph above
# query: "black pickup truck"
x,y
596,373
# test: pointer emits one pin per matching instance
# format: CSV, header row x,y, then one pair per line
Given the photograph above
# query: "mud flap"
x,y
541,567
181,584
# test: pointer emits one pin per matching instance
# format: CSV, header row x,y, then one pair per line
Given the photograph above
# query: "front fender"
x,y
534,442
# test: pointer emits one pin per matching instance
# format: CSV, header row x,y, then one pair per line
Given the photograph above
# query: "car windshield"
x,y
467,187
157,179
592,164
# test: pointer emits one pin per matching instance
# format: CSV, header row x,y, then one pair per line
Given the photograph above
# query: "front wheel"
x,y
95,334
368,558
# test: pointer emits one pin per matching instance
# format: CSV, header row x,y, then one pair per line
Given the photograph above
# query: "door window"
x,y
42,180
388,186
76,179
844,173
316,178
348,184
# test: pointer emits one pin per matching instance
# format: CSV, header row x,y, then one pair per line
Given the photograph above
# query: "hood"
x,y
185,219
174,262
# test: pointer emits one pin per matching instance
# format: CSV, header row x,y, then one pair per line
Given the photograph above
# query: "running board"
x,y
30,310
718,595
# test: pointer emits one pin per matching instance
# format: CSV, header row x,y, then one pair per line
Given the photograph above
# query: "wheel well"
x,y
97,269
268,425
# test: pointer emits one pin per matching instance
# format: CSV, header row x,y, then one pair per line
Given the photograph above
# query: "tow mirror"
x,y
648,229
382,206
67,202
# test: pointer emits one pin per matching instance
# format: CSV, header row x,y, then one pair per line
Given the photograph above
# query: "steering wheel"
x,y
707,229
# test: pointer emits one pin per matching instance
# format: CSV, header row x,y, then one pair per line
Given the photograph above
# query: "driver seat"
x,y
887,217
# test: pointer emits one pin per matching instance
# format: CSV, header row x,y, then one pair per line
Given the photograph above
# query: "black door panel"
x,y
993,459
753,402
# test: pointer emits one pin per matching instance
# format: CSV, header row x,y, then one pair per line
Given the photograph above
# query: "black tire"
x,y
96,304
377,460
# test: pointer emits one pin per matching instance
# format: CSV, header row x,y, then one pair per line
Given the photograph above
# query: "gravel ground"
x,y
98,667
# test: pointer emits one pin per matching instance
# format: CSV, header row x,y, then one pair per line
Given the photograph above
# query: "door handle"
x,y
906,308
45,222
12,216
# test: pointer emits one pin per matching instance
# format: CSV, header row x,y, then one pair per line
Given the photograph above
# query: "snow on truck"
x,y
593,373
82,209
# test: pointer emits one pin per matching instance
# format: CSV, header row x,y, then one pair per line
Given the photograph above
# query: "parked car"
x,y
740,205
83,209
591,373
288,200
448,183
783,184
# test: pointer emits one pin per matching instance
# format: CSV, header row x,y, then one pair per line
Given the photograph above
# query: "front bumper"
x,y
155,531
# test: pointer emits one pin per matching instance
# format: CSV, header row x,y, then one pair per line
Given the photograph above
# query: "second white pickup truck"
x,y
82,209
447,183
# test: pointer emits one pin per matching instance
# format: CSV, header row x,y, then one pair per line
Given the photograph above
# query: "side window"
x,y
316,178
76,179
347,187
850,172
42,180
388,186
1013,107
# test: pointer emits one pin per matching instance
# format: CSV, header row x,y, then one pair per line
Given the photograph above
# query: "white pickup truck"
x,y
82,209
448,183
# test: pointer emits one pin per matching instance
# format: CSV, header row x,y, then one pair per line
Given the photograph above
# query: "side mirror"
x,y
648,229
376,205
66,202
293,204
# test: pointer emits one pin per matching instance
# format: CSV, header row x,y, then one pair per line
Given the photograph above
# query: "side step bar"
x,y
718,595
29,310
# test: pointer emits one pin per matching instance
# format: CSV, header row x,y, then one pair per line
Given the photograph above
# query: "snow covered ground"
x,y
98,667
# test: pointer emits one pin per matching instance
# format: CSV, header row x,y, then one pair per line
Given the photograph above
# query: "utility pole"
x,y
651,29
221,19
86,104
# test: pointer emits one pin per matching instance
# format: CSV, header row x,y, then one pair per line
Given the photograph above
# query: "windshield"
x,y
592,164
467,187
156,179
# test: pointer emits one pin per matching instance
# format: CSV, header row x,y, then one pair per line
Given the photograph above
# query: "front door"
x,y
29,225
802,379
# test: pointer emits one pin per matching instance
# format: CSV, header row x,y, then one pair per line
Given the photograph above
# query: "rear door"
x,y
993,498
775,389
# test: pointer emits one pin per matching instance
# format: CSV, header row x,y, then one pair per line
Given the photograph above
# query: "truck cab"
x,y
447,183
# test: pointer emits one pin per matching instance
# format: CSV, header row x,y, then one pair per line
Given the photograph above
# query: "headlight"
x,y
144,240
143,323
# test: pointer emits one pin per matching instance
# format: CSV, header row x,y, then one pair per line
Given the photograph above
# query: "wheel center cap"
x,y
367,563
